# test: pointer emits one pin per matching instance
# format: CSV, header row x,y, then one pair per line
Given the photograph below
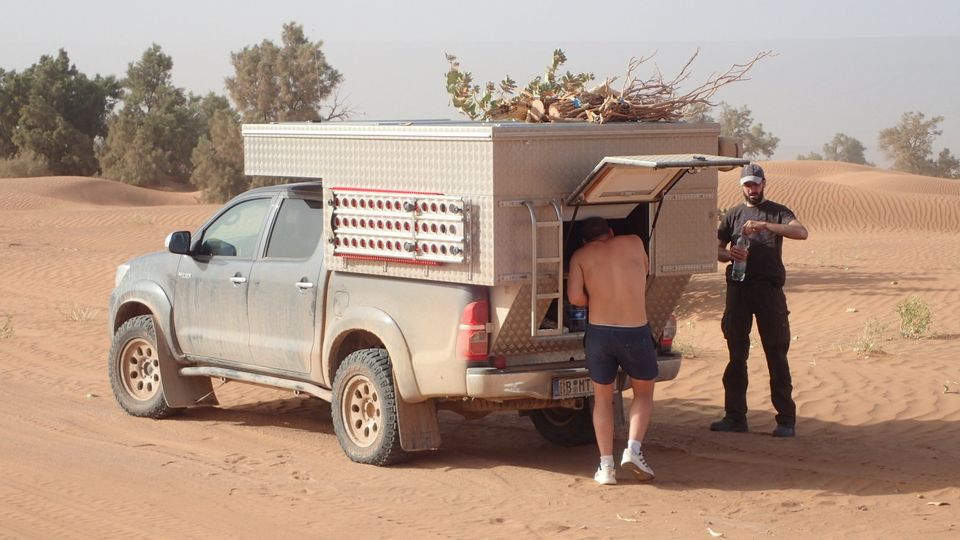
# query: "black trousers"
x,y
768,304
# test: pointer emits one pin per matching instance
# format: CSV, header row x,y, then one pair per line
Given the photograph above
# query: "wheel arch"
x,y
148,298
365,328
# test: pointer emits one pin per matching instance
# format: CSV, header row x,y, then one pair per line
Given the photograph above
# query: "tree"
x,y
218,158
910,145
281,84
152,138
271,84
11,101
56,114
815,156
841,148
845,148
698,112
738,123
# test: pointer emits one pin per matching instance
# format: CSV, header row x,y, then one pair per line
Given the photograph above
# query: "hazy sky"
x,y
841,66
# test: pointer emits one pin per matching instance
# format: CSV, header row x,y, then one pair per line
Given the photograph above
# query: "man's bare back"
x,y
609,276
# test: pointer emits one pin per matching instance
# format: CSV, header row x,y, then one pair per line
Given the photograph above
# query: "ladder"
x,y
536,294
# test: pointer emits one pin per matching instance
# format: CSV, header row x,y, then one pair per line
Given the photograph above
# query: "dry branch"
x,y
651,100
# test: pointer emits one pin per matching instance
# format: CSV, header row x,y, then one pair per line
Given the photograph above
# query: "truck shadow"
x,y
887,457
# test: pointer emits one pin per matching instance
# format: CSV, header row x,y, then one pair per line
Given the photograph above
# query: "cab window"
x,y
297,229
235,232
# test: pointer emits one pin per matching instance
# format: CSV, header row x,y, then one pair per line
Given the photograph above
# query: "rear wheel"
x,y
134,369
365,409
565,427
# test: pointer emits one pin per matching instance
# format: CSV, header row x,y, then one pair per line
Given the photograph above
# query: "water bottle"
x,y
740,267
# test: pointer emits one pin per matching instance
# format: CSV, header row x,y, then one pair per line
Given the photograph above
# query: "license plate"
x,y
572,387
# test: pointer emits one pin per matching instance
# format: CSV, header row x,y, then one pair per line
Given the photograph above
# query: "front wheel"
x,y
364,409
565,427
134,369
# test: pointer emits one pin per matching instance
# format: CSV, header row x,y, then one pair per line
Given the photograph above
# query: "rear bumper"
x,y
517,383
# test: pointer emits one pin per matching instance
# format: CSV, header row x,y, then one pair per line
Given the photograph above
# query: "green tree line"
x,y
145,131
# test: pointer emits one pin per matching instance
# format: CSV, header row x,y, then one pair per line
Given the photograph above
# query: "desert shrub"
x,y
870,338
78,313
915,317
6,327
24,165
140,219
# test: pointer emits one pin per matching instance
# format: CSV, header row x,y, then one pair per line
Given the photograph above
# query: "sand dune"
x,y
73,192
833,196
877,440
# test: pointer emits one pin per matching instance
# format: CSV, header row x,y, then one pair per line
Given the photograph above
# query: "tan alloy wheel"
x,y
140,369
362,415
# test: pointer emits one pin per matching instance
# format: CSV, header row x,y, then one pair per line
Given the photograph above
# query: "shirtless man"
x,y
609,276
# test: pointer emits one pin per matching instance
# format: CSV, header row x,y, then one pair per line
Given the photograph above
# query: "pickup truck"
x,y
248,298
421,268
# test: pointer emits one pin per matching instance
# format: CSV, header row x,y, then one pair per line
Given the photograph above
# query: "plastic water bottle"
x,y
740,267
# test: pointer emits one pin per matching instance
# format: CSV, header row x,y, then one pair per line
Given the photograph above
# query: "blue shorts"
x,y
612,347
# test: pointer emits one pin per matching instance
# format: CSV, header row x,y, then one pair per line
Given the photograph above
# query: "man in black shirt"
x,y
760,294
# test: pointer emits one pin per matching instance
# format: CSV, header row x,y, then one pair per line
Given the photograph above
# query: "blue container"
x,y
576,318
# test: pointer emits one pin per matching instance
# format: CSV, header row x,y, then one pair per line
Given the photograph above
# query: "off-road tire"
x,y
134,369
564,427
364,409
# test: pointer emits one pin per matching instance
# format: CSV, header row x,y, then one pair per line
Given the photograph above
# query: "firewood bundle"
x,y
648,100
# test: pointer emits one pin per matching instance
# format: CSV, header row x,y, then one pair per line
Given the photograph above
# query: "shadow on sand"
x,y
892,456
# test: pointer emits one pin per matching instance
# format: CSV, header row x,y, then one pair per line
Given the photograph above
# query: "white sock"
x,y
606,462
634,446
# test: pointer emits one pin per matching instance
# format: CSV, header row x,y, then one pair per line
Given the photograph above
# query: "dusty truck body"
x,y
418,266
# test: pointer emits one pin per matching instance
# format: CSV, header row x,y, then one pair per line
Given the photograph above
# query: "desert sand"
x,y
877,453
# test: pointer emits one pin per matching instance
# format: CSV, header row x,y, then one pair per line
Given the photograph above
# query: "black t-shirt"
x,y
765,261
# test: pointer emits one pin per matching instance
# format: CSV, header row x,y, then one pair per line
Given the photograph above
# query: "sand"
x,y
877,453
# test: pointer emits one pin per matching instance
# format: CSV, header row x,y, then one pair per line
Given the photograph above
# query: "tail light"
x,y
669,332
472,343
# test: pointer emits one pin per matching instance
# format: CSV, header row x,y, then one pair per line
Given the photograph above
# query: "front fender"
x,y
382,325
151,295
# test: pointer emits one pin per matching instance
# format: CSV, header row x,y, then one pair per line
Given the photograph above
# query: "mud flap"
x,y
419,428
180,391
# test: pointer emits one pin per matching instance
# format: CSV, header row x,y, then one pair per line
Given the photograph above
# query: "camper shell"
x,y
495,204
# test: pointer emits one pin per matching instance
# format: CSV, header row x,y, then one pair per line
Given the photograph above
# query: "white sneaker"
x,y
606,477
636,465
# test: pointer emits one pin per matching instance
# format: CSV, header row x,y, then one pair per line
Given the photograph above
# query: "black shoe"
x,y
784,431
729,424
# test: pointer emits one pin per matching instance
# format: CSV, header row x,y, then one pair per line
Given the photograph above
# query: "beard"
x,y
753,199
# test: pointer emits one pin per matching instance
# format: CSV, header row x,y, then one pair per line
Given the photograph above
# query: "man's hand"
x,y
793,230
737,254
751,227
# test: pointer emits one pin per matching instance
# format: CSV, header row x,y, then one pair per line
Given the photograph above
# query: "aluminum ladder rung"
x,y
535,293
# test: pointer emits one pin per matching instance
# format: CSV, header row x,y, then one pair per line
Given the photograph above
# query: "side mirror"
x,y
178,242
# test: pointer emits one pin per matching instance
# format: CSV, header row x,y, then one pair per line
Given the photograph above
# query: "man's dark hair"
x,y
593,228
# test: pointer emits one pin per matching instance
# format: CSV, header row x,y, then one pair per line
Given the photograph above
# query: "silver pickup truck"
x,y
387,302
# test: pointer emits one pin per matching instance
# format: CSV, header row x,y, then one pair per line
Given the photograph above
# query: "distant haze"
x,y
850,67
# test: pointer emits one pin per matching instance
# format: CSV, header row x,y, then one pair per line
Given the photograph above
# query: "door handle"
x,y
238,280
304,285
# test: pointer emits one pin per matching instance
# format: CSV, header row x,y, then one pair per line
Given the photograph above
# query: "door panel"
x,y
285,286
211,290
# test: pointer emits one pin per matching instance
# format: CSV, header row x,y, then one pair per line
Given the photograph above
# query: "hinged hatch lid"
x,y
635,179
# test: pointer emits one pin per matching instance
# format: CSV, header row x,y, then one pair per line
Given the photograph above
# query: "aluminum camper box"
x,y
508,192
